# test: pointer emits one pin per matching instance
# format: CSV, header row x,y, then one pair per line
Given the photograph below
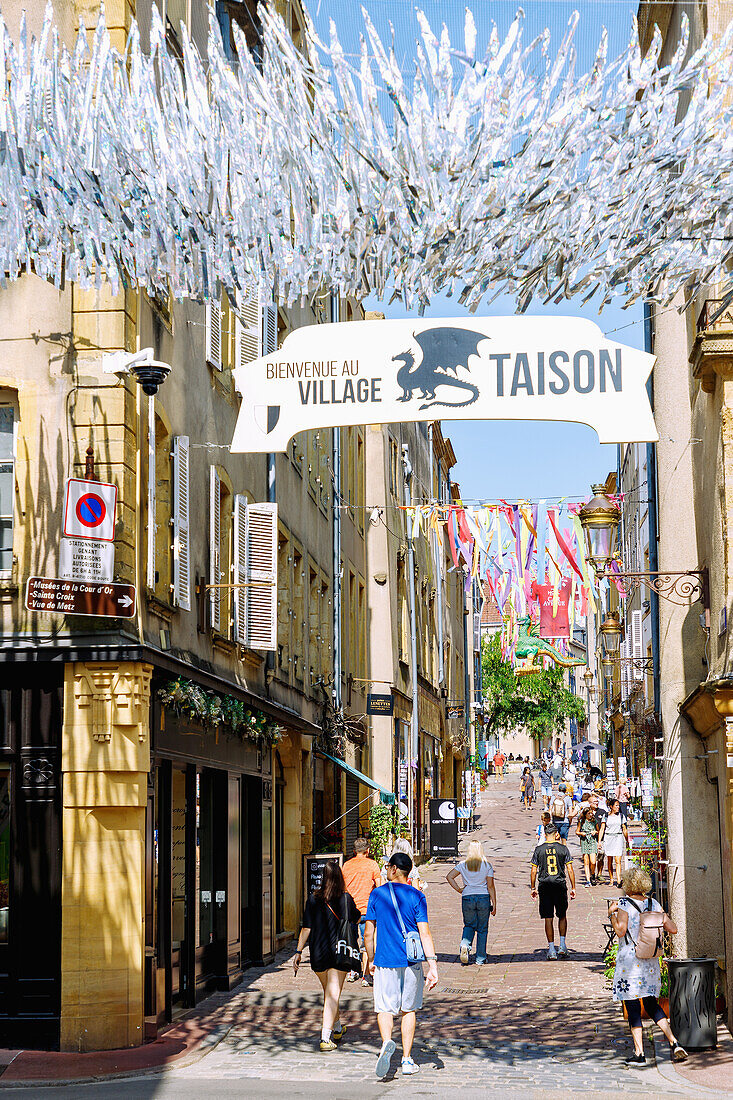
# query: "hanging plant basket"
x,y
216,711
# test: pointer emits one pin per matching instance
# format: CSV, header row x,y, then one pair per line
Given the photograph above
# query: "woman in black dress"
x,y
323,911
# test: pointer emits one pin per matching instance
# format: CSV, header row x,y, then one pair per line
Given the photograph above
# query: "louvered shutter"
x,y
214,549
248,331
240,568
150,570
637,642
213,334
181,548
269,328
261,570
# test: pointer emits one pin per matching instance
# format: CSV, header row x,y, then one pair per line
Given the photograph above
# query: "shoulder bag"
x,y
413,943
650,944
346,948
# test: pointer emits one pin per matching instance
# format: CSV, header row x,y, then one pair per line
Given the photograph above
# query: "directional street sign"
x,y
116,601
90,511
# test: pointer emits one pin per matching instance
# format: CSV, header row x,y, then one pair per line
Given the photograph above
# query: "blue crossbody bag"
x,y
413,943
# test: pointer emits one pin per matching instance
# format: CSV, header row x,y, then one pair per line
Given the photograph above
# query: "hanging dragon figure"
x,y
530,647
443,350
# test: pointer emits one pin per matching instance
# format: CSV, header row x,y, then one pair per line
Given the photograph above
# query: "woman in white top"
x,y
615,840
473,879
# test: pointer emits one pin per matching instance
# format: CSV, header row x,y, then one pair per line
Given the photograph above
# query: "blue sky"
x,y
502,458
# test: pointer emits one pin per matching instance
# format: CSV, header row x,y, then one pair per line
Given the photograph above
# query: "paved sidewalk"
x,y
518,1024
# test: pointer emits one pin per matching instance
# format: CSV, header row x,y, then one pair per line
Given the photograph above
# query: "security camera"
x,y
150,375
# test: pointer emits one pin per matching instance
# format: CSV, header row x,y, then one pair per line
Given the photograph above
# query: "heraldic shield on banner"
x,y
491,368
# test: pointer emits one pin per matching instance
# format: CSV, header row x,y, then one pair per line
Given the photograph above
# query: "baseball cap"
x,y
550,827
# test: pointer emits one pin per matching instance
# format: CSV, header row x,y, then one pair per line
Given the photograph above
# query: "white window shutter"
x,y
213,334
261,573
269,328
637,637
214,549
181,547
150,570
240,568
248,331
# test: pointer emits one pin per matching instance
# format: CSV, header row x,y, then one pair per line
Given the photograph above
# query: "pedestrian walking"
x,y
587,830
398,913
473,879
545,785
545,820
614,837
550,863
527,788
561,808
361,876
499,762
403,845
637,978
623,796
325,911
556,767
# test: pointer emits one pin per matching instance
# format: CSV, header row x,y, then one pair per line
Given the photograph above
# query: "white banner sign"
x,y
490,368
86,560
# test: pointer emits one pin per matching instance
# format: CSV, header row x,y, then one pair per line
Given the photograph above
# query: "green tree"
x,y
540,703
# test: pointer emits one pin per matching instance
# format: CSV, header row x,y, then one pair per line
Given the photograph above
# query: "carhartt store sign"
x,y
494,368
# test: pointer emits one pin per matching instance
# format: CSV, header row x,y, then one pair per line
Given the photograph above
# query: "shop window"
x,y
178,874
5,851
7,487
204,857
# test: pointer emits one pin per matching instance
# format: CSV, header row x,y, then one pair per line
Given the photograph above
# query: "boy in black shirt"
x,y
549,863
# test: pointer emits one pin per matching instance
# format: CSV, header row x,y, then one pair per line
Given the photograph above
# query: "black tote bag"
x,y
346,947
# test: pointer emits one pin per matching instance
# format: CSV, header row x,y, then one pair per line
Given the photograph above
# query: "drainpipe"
x,y
336,464
271,499
651,483
414,723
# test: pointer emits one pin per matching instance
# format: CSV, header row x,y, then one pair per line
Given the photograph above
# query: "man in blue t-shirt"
x,y
398,985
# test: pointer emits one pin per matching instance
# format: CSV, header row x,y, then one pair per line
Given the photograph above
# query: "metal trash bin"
x,y
692,1002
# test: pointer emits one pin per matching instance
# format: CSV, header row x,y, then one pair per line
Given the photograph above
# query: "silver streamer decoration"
x,y
298,170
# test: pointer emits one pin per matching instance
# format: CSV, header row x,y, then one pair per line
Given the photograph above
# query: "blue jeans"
x,y
476,912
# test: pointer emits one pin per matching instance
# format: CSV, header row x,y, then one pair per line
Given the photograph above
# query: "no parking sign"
x,y
91,510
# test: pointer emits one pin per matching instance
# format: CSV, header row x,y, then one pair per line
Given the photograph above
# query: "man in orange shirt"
x,y
361,875
499,762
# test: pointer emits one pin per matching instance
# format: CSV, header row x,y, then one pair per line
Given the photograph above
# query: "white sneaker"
x,y
463,955
552,952
408,1066
385,1057
562,952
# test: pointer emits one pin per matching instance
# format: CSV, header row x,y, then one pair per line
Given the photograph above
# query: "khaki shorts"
x,y
398,988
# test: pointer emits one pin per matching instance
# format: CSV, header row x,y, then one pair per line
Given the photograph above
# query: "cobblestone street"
x,y
520,1024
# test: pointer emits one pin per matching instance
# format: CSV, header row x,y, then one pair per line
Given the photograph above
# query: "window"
x,y
362,665
220,553
7,487
298,631
163,510
314,624
284,603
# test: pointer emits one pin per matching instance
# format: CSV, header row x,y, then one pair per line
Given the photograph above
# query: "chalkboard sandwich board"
x,y
313,867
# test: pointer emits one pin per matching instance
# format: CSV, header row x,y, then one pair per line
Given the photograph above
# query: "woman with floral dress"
x,y
587,830
636,980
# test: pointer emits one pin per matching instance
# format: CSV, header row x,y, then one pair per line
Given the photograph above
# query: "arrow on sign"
x,y
125,601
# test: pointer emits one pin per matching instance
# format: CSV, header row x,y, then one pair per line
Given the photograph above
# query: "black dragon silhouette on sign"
x,y
443,350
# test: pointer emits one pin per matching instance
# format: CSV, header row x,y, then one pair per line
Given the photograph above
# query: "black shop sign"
x,y
313,868
443,828
380,704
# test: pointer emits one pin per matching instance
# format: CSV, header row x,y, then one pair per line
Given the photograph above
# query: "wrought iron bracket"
x,y
676,587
